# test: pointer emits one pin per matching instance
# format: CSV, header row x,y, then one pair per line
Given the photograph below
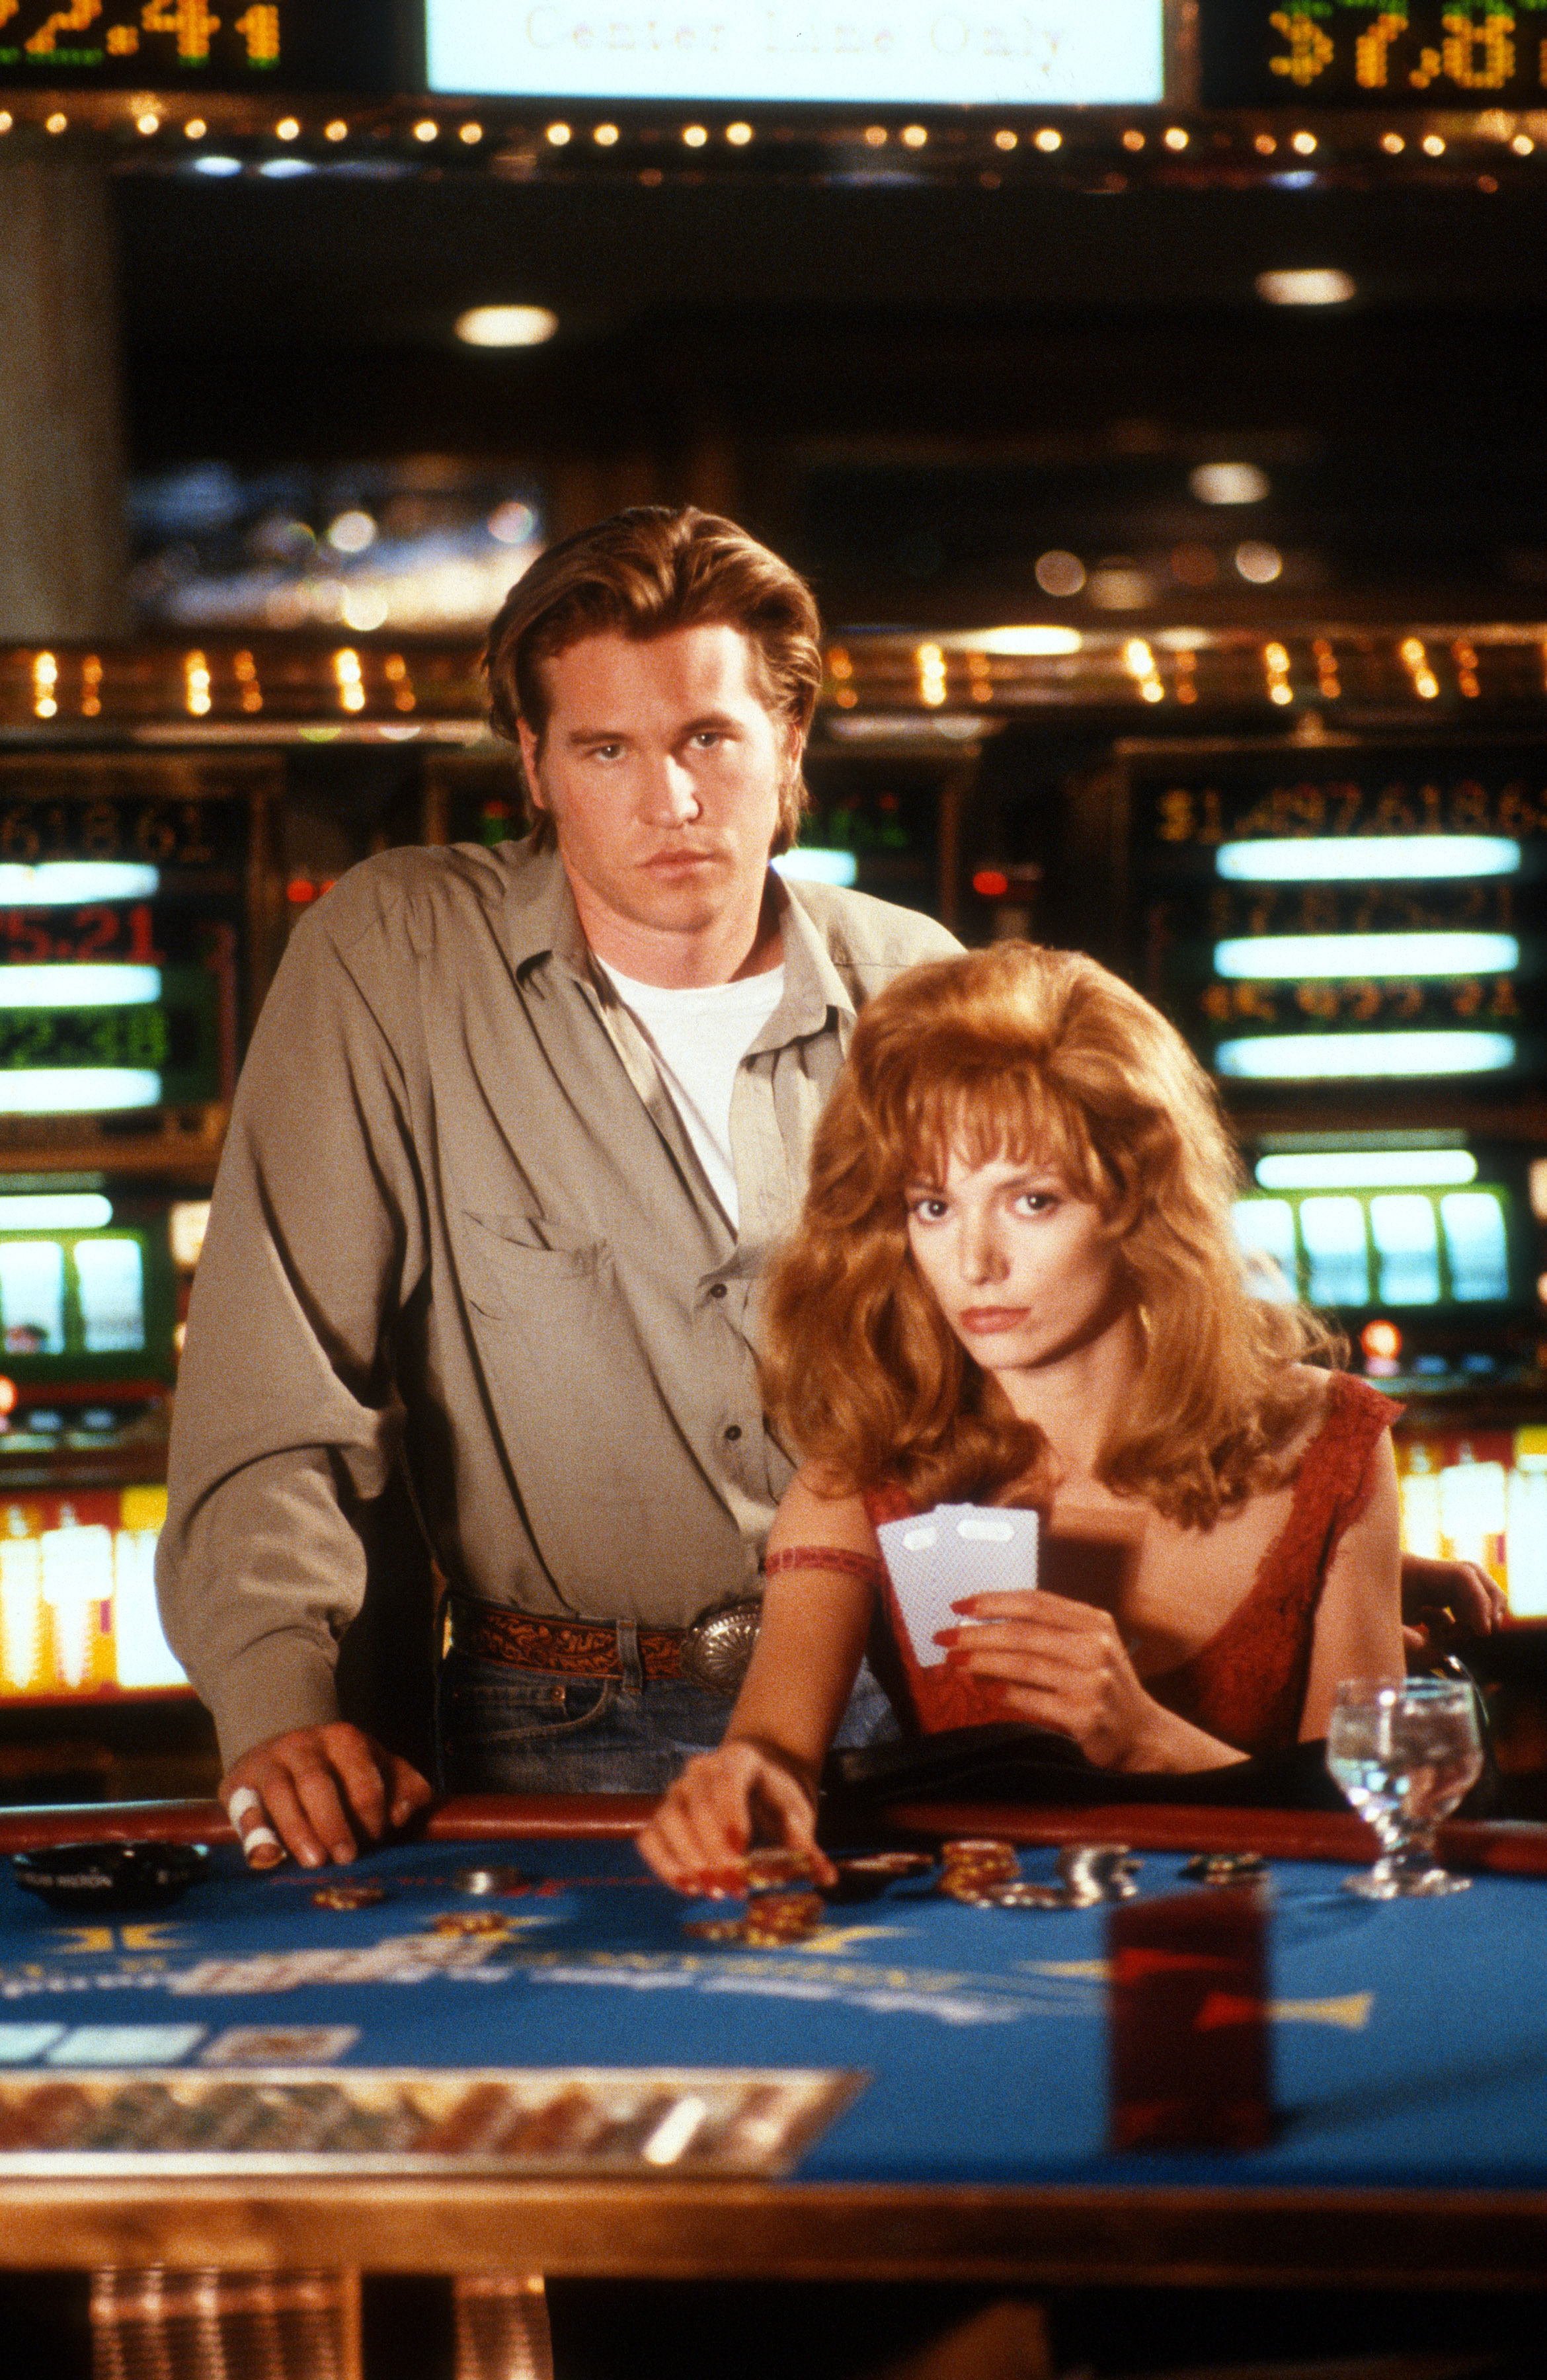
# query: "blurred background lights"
x,y
694,136
1324,285
337,130
605,136
1258,564
559,135
738,135
914,136
351,532
286,169
195,128
1228,483
505,326
512,523
1030,642
1048,139
217,166
472,134
1058,572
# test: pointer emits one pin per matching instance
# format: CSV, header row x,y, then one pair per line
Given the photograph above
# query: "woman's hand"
x,y
722,1802
1442,1601
1062,1666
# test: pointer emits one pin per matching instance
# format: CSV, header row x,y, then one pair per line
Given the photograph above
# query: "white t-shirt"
x,y
700,1037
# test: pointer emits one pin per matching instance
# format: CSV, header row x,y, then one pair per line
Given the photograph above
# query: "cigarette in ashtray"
x,y
936,1560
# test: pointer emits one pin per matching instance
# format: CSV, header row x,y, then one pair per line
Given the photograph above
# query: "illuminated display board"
x,y
1347,53
120,936
1346,915
78,1607
290,44
904,52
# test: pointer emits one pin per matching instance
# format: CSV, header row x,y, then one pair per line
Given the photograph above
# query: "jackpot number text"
x,y
78,36
164,834
1207,815
1392,1001
1468,50
85,1036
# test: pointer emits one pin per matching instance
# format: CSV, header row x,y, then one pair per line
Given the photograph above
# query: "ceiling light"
x,y
506,327
1027,640
1228,483
1058,572
1324,287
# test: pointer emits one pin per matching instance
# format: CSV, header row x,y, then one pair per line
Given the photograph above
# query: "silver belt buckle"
x,y
718,1646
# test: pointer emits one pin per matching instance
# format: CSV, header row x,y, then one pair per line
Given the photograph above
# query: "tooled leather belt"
x,y
713,1652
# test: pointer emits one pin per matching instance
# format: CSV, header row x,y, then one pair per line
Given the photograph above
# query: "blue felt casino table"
x,y
918,2085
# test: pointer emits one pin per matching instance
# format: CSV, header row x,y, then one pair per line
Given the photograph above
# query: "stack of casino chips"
x,y
783,1902
976,1870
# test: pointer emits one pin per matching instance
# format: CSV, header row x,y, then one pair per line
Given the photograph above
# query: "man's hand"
x,y
1442,1600
313,1792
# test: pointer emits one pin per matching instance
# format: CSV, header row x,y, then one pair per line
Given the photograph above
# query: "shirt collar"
x,y
545,924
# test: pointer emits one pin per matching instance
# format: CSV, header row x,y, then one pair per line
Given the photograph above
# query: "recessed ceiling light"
x,y
506,327
1228,483
1324,287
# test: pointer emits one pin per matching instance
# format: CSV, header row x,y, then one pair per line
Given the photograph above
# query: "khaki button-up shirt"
x,y
457,1216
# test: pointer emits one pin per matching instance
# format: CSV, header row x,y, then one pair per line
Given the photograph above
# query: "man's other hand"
x,y
317,1792
1444,1600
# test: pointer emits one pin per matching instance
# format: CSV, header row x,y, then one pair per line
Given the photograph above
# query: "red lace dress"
x,y
1246,1686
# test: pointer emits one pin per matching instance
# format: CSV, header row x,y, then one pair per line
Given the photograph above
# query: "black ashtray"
x,y
81,1877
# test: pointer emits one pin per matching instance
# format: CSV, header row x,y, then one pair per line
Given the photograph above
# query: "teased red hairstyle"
x,y
1027,1052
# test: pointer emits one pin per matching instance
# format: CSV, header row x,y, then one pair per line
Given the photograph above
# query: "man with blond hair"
x,y
516,1133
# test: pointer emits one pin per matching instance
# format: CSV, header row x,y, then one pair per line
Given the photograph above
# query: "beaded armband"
x,y
839,1558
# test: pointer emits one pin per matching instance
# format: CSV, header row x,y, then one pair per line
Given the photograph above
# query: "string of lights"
x,y
1105,149
948,685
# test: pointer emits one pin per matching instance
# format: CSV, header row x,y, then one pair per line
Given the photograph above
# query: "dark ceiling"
x,y
913,385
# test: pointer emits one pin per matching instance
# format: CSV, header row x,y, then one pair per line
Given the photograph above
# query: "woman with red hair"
x,y
1015,1281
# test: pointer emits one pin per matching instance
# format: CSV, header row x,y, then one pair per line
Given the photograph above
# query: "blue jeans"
x,y
505,1730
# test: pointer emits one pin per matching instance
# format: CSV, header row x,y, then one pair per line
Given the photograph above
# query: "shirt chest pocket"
x,y
510,1274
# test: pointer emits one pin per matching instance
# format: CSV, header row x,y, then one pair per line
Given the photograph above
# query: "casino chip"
x,y
1224,1868
774,1867
867,1874
776,1917
347,1895
85,1878
973,1869
484,1882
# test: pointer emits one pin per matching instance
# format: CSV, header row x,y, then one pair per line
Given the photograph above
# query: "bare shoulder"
x,y
809,1518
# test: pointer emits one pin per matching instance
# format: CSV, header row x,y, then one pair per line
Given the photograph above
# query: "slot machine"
x,y
1349,932
130,886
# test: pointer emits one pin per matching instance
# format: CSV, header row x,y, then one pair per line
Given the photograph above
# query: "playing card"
x,y
936,1558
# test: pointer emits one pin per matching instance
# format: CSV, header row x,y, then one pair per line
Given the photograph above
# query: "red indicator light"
x,y
990,884
1381,1338
8,1396
301,891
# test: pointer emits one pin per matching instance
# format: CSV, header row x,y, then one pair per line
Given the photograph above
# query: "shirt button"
x,y
734,1432
718,1290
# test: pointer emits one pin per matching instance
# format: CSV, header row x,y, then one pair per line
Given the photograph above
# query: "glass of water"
x,y
1404,1752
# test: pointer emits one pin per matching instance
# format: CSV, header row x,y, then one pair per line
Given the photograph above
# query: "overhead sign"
x,y
903,53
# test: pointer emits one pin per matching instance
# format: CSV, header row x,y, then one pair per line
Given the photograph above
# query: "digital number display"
x,y
282,44
165,1048
1365,916
1345,53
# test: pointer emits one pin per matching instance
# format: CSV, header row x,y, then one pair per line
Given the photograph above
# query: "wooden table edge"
x,y
1185,2237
